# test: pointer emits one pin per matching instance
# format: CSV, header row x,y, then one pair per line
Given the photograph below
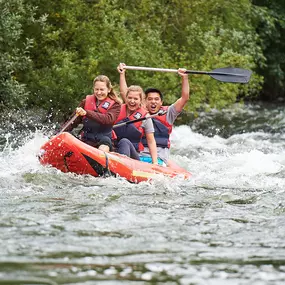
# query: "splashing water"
x,y
223,226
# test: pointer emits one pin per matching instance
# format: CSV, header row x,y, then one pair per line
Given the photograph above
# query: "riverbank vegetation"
x,y
52,50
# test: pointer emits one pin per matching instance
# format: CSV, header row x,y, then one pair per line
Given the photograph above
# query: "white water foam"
x,y
249,160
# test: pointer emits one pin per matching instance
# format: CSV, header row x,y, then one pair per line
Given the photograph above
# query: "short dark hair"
x,y
153,90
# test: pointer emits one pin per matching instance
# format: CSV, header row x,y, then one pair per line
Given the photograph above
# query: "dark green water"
x,y
224,226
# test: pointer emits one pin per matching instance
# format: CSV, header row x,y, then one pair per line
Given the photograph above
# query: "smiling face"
x,y
101,90
133,100
153,102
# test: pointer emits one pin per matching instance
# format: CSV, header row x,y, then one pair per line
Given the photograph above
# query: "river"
x,y
224,226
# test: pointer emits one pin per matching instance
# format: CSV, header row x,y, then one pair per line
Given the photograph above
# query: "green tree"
x,y
270,18
84,38
199,35
59,72
14,50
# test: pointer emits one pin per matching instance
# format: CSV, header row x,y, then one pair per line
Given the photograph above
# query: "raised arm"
x,y
185,92
123,82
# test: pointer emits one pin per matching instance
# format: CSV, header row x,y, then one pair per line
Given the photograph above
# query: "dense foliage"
x,y
15,46
271,31
51,50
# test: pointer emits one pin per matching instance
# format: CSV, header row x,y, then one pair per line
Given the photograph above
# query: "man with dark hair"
x,y
154,90
162,124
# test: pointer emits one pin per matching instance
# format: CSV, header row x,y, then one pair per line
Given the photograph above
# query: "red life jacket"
x,y
92,130
133,131
90,104
162,130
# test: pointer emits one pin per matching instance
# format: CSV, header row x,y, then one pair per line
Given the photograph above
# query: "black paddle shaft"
x,y
228,74
159,113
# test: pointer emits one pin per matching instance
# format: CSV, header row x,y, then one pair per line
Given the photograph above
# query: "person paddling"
x,y
98,113
128,136
162,124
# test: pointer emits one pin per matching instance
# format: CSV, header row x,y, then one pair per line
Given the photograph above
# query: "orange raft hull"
x,y
69,154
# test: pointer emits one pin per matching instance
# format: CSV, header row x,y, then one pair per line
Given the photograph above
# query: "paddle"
x,y
68,123
159,113
227,74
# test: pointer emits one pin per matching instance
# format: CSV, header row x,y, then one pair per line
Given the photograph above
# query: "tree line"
x,y
52,50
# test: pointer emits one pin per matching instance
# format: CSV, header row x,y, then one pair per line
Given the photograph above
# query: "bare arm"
x,y
123,82
185,92
152,147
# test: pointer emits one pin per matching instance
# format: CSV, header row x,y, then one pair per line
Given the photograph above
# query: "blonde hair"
x,y
137,88
112,94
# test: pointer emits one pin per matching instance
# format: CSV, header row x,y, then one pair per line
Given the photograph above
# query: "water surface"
x,y
226,225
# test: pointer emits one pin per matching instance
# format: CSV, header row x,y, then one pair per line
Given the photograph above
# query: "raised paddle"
x,y
159,113
226,74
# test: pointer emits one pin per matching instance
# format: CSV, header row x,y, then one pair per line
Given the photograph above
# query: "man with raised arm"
x,y
162,124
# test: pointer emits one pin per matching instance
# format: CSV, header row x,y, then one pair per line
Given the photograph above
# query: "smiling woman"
x,y
129,135
98,113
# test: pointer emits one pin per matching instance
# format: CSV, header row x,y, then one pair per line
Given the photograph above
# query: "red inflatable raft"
x,y
68,154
